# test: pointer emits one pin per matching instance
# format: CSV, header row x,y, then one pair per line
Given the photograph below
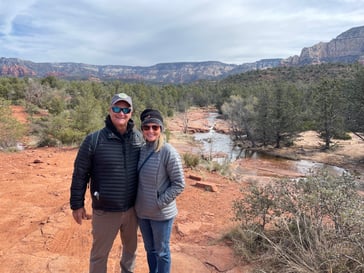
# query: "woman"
x,y
161,180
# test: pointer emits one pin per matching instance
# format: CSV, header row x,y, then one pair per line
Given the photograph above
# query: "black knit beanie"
x,y
151,116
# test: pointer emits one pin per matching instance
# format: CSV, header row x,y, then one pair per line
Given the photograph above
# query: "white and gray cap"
x,y
121,97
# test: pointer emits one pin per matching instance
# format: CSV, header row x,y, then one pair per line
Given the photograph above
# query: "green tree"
x,y
284,117
355,103
51,81
88,115
241,114
277,113
264,128
13,89
328,108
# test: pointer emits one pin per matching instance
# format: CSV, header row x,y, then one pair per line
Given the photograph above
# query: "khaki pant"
x,y
105,227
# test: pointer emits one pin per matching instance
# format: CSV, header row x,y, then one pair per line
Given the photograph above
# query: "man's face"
x,y
120,120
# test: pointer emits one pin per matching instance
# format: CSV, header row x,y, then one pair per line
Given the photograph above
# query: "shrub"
x,y
191,160
11,130
313,224
221,168
47,141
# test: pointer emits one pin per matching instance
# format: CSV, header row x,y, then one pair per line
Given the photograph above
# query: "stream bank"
x,y
306,150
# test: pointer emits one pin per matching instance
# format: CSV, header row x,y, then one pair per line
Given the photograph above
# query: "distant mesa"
x,y
346,48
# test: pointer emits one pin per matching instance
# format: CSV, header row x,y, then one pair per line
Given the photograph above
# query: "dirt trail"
x,y
39,235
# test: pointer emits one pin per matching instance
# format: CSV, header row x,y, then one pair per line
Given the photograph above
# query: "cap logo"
x,y
122,95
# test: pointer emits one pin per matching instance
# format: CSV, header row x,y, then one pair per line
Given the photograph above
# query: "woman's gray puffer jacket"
x,y
161,180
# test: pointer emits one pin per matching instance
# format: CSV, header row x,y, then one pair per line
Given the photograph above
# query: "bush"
x,y
191,160
11,130
47,141
70,136
221,168
307,225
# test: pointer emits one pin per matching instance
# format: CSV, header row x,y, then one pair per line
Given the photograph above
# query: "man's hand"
x,y
79,215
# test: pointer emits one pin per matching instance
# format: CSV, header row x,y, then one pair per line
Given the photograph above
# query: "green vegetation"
x,y
308,225
11,130
191,160
221,168
265,107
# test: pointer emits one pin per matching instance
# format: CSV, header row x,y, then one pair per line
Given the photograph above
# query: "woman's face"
x,y
151,131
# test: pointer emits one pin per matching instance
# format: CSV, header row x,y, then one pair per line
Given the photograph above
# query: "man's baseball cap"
x,y
121,97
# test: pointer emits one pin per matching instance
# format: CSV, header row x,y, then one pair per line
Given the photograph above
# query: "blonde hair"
x,y
159,143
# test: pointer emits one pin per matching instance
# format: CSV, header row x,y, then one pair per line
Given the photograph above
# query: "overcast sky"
x,y
148,32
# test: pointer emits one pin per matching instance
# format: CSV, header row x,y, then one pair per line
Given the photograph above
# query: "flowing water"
x,y
219,147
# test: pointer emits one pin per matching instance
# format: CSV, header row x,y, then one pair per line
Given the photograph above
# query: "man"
x,y
108,159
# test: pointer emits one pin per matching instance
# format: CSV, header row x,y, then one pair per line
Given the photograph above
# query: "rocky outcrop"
x,y
16,71
348,47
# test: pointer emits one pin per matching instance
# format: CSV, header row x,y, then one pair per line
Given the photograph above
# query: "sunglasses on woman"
x,y
117,109
147,127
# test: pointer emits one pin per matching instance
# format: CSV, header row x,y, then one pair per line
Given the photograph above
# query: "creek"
x,y
219,147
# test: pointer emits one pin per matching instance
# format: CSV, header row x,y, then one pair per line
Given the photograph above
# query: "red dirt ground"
x,y
39,235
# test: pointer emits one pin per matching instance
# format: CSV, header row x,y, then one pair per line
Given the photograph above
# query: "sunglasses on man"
x,y
117,109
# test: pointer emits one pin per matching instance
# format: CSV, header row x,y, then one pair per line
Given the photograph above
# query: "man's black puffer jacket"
x,y
111,167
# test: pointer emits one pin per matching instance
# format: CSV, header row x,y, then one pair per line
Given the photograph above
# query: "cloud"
x,y
144,33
